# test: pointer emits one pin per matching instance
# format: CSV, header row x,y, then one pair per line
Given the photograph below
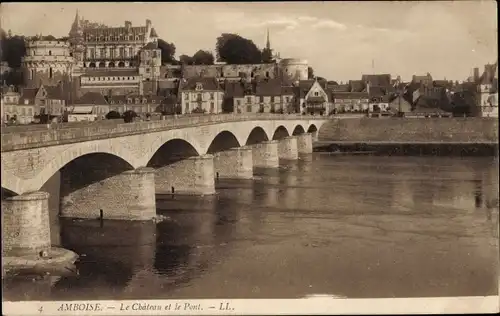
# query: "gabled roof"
x,y
381,80
92,98
268,87
208,83
28,94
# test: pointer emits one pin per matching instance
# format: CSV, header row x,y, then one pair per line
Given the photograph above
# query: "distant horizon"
x,y
340,40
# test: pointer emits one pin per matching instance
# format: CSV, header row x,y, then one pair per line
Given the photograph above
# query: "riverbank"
x,y
411,130
409,149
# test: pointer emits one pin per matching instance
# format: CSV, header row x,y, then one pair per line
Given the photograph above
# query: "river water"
x,y
348,226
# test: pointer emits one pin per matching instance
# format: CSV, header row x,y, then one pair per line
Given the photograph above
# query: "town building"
x,y
313,98
9,102
201,95
142,105
487,92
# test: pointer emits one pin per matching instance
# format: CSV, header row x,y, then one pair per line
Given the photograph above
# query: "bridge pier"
x,y
193,175
126,196
304,143
25,224
288,148
265,155
235,163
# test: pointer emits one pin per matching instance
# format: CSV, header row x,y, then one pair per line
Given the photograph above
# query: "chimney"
x,y
476,74
128,25
148,24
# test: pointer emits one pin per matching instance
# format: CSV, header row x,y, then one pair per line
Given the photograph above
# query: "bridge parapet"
x,y
50,137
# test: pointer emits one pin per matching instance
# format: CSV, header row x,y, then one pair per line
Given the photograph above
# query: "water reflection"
x,y
339,225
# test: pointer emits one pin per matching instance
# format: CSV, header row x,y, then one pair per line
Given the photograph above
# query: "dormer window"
x,y
136,100
144,101
316,94
129,101
199,87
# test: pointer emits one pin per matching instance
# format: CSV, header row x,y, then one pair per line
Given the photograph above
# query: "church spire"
x,y
76,27
268,43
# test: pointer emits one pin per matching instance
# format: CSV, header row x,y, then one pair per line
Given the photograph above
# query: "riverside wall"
x,y
410,130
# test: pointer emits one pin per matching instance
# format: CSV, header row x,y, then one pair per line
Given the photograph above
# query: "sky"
x,y
340,40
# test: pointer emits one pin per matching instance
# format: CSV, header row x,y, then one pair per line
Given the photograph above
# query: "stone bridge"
x,y
117,169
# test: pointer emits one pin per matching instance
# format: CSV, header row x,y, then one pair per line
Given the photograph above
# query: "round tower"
x,y
46,63
294,69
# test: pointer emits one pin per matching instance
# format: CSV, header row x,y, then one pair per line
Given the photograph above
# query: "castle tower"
x,y
149,67
47,63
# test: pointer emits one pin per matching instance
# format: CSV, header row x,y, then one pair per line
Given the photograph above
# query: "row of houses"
x,y
379,94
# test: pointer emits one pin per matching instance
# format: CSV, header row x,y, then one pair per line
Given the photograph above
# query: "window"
x,y
238,102
153,101
316,93
50,53
144,101
30,112
50,72
287,99
130,52
186,96
272,98
249,108
186,109
211,95
199,97
199,86
129,101
148,70
103,53
212,107
249,99
261,98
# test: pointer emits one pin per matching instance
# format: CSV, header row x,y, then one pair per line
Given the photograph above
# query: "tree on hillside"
x,y
234,49
267,56
13,49
203,57
186,60
310,73
167,52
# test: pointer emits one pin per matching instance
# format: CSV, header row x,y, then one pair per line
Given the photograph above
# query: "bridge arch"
x,y
171,151
298,130
89,169
21,186
280,133
257,135
223,141
313,130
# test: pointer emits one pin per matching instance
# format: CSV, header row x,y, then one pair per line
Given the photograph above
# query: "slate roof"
x,y
350,95
340,88
269,87
153,33
54,92
112,32
357,85
234,89
382,80
28,94
92,98
209,83
376,92
286,90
